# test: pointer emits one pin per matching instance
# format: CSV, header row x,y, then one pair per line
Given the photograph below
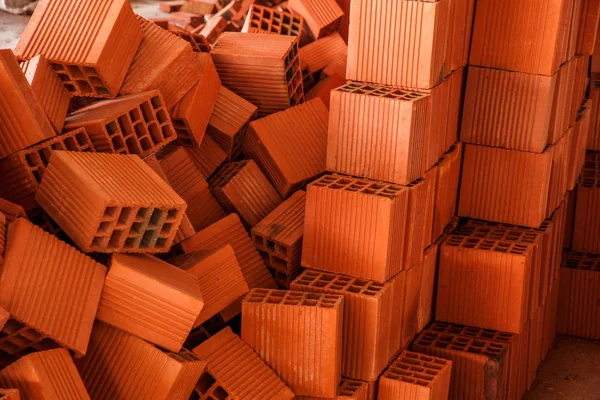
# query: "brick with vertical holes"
x,y
262,19
322,16
586,228
317,55
349,389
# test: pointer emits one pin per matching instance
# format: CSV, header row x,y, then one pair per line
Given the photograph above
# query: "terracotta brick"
x,y
110,202
307,368
51,295
91,50
586,228
377,132
535,344
230,230
248,378
201,6
322,17
190,18
411,302
241,187
336,66
209,156
479,366
581,132
24,120
11,211
45,375
229,121
586,38
427,289
562,161
273,142
348,390
135,369
324,87
263,69
164,62
594,136
550,318
134,124
262,19
219,276
52,96
10,394
170,6
213,29
198,42
319,54
278,237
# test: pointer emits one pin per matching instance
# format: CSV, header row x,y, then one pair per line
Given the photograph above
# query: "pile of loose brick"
x,y
310,199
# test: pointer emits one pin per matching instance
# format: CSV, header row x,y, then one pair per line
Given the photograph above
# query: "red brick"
x,y
262,19
586,38
427,286
586,228
321,16
215,26
336,66
319,54
198,42
324,87
209,156
581,132
594,136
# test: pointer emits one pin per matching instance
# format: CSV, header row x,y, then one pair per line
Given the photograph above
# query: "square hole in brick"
x,y
149,239
111,213
156,102
104,228
84,87
143,214
155,133
205,382
147,112
99,241
116,239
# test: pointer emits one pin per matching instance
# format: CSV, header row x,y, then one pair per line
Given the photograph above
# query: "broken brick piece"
x,y
42,273
321,16
191,115
263,69
209,156
266,317
198,42
229,121
363,117
165,62
150,299
349,389
133,369
110,202
91,50
135,124
10,394
241,187
219,276
586,228
52,96
322,52
24,122
215,26
22,171
45,375
246,379
170,6
262,19
274,142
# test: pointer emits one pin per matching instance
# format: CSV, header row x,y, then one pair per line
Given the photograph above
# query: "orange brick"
x,y
586,228
322,52
209,156
198,42
10,394
349,389
324,87
321,16
262,19
427,285
11,211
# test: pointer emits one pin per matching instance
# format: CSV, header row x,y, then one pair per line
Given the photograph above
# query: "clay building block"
x,y
229,121
365,352
349,389
521,36
214,28
12,211
91,50
499,301
24,122
248,378
322,52
263,69
562,116
323,88
586,228
508,109
278,237
135,124
479,366
201,7
362,118
586,36
230,230
164,62
52,96
188,180
191,115
170,6
45,375
427,289
219,276
110,202
502,193
561,164
273,142
416,376
337,66
51,291
313,366
241,187
581,132
262,19
594,136
135,369
390,236
322,17
209,156
150,299
189,18
10,394
198,42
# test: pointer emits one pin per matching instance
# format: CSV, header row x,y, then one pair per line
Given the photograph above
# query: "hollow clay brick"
x,y
110,202
91,50
322,17
11,211
586,228
191,115
262,19
263,69
322,52
586,36
349,389
479,366
188,180
164,62
273,142
427,287
581,132
494,188
209,156
323,88
246,379
416,376
229,121
24,122
230,230
561,164
135,369
365,351
390,241
198,42
241,187
594,135
45,375
377,132
52,96
10,394
213,29
134,124
312,367
170,6
51,291
550,319
219,276
337,66
565,89
496,294
22,171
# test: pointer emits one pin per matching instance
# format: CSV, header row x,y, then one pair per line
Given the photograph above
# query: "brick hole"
x,y
399,371
303,282
422,382
146,144
33,159
70,88
134,115
74,71
149,239
116,238
432,367
99,241
104,228
57,67
336,287
409,360
166,229
205,382
137,228
147,112
111,213
313,296
320,284
84,87
346,392
255,299
125,125
112,128
424,376
157,218
274,300
354,289
219,393
495,346
96,81
391,375
12,326
132,242
369,293
102,91
407,379
369,191
89,71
